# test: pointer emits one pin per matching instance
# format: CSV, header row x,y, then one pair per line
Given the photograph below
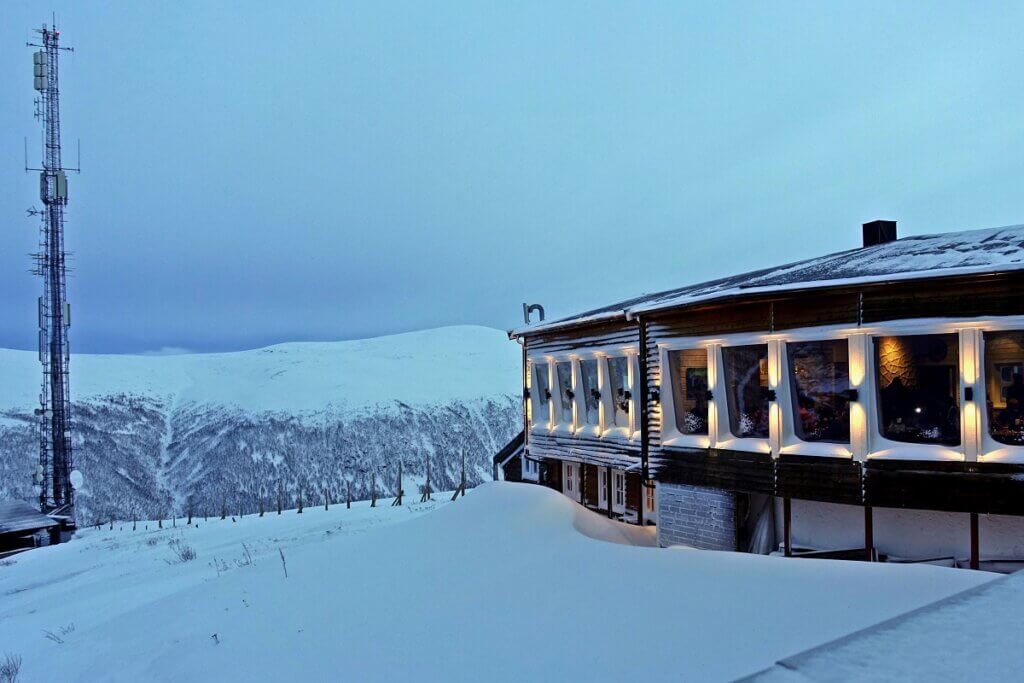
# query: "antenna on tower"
x,y
55,475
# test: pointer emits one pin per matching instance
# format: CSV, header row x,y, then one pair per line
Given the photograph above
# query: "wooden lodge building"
x,y
866,404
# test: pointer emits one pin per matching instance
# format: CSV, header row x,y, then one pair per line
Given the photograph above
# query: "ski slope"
x,y
511,583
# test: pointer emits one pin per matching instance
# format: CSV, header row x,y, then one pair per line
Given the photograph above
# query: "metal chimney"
x,y
879,232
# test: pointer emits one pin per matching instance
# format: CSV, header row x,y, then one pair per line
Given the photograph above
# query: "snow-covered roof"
x,y
17,517
954,253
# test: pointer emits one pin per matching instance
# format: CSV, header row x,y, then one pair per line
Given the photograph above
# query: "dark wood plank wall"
x,y
589,448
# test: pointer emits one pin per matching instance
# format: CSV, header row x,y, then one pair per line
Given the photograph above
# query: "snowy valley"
x,y
157,436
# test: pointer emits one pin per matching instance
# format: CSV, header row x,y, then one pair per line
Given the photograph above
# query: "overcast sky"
x,y
257,173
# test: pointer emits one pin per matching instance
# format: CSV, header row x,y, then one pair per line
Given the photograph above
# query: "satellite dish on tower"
x,y
77,479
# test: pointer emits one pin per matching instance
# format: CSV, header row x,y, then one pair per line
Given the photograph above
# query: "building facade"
x,y
868,404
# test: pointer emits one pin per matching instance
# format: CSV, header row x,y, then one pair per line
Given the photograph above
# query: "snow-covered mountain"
x,y
158,435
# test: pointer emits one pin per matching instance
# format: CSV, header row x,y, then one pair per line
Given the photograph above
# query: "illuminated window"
x,y
591,393
820,381
746,386
1004,385
540,392
565,393
689,370
618,384
918,382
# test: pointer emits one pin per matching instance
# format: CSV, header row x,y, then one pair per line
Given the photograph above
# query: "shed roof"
x,y
918,256
17,517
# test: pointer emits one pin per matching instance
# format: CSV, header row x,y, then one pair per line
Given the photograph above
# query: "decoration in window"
x,y
591,394
919,388
1004,383
541,394
746,385
618,382
566,395
689,370
820,381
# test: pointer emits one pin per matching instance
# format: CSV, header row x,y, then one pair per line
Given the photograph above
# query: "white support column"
x,y
971,385
717,386
859,349
775,365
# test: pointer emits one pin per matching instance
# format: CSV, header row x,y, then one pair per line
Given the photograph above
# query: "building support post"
x,y
975,554
787,527
869,534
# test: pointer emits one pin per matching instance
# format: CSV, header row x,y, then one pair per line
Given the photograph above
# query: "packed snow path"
x,y
511,583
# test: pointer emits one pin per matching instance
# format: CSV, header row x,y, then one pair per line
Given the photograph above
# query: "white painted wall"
x,y
903,533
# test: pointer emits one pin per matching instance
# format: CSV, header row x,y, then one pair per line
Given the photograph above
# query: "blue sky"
x,y
259,172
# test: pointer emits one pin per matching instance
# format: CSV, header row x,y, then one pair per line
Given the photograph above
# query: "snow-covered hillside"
x,y
511,583
157,435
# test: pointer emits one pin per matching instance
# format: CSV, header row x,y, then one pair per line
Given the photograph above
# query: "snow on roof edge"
x,y
1009,241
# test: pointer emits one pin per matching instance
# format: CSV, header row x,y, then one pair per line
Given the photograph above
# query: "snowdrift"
x,y
511,583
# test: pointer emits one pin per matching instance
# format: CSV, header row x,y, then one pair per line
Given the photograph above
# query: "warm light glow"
x,y
774,363
858,364
858,429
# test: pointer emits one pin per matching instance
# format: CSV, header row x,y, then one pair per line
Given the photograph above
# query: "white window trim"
x,y
532,364
605,429
991,450
572,491
790,442
531,468
557,426
619,478
584,428
608,429
723,436
866,439
670,434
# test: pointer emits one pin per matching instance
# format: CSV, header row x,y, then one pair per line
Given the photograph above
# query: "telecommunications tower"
x,y
54,475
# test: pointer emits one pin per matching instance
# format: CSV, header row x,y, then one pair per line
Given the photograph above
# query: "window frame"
x,y
989,450
881,448
670,434
609,430
867,442
724,438
557,426
790,442
617,492
532,364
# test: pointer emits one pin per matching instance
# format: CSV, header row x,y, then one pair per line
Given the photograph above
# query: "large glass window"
x,y
746,385
689,370
820,381
541,394
563,371
918,381
1004,386
591,394
618,383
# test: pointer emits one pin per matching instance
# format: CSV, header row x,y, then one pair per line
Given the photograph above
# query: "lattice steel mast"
x,y
55,457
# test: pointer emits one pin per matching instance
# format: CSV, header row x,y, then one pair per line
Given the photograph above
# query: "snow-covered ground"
x,y
511,583
971,636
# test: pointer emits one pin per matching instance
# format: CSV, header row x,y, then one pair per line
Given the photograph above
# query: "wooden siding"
x,y
992,488
807,477
620,332
719,469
